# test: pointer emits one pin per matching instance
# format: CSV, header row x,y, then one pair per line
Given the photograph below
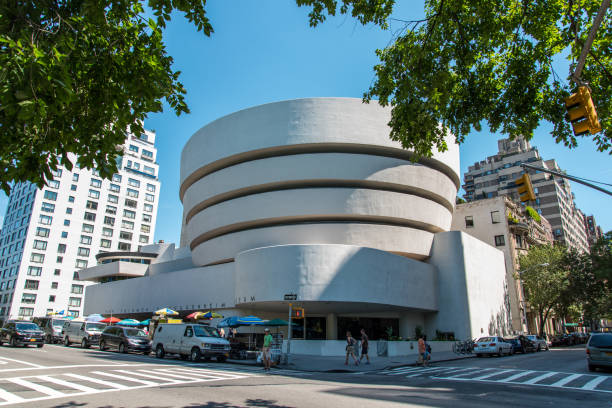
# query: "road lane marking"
x,y
148,375
594,383
482,377
423,371
22,362
98,381
515,376
206,373
36,387
125,378
565,380
9,397
58,381
6,370
540,378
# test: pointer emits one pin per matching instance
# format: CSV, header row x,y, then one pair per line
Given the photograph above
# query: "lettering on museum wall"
x,y
245,299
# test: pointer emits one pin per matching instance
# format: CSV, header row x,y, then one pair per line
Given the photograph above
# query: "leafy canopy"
x,y
77,75
475,61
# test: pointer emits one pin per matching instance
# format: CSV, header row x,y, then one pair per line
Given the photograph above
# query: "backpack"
x,y
428,348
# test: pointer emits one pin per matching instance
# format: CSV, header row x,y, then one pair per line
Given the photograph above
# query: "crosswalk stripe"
x,y
467,371
456,370
67,383
482,377
515,376
36,387
204,374
229,374
539,378
98,381
178,375
565,380
426,370
403,371
10,397
125,378
147,375
594,383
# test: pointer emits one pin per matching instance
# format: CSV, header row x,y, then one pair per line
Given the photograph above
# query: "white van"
x,y
84,333
192,341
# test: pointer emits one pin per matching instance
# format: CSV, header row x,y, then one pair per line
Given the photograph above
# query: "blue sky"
x,y
264,51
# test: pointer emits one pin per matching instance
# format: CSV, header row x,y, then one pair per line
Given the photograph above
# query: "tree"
x,y
545,279
77,75
474,61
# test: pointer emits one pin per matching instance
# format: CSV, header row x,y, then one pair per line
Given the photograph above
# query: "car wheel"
x,y
66,341
221,359
102,345
84,343
159,351
13,342
478,355
122,348
39,345
48,339
196,354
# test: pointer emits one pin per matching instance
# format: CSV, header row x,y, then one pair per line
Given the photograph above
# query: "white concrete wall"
x,y
337,347
471,287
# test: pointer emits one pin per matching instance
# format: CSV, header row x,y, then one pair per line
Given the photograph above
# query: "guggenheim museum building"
x,y
310,197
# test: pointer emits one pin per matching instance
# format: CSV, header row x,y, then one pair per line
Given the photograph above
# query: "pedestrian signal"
x,y
525,189
298,313
581,112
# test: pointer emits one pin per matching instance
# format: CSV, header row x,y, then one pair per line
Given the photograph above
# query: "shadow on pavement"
x,y
249,403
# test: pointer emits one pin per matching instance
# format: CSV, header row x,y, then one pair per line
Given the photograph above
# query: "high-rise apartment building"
x,y
594,232
49,234
554,199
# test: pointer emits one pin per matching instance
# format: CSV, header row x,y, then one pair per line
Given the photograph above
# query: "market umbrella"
x,y
195,315
278,323
212,315
128,322
94,318
145,322
249,320
110,320
166,311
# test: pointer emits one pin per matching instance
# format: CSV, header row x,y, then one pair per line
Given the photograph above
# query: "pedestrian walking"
x,y
350,348
222,333
365,342
422,347
265,351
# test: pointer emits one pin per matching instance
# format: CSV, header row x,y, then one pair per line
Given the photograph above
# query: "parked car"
x,y
52,326
492,345
125,339
84,333
190,341
562,340
540,342
22,333
599,351
521,344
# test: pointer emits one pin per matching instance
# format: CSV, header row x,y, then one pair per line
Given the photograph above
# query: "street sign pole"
x,y
289,334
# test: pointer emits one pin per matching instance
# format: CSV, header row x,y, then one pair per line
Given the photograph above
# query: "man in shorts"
x,y
365,342
265,351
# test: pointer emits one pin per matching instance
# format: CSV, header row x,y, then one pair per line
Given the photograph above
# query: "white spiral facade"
x,y
311,171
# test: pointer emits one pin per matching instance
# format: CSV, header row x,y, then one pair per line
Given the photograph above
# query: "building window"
x,y
71,199
66,223
87,228
109,221
133,182
129,214
45,220
117,178
34,270
89,216
81,263
94,194
145,228
148,208
59,259
149,170
51,298
133,148
31,284
149,197
127,224
469,221
131,203
113,199
42,232
495,218
115,188
28,298
64,234
61,248
144,239
54,285
53,184
105,243
26,311
95,183
85,239
77,289
38,258
50,195
83,251
151,188
75,177
124,246
92,205
125,235
132,193
73,187
111,209
48,207
75,276
107,232
147,154
74,302
146,218
42,245
499,240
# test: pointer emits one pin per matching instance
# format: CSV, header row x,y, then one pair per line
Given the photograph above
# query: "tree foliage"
x,y
77,75
475,61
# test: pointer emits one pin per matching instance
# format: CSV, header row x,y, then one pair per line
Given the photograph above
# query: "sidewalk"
x,y
335,364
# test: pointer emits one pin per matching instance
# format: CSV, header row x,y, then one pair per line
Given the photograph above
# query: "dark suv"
x,y
22,333
125,339
599,351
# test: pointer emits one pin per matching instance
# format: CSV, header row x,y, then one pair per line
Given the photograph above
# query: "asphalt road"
x,y
55,376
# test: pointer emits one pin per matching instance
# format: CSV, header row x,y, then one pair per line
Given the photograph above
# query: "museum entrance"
x,y
376,328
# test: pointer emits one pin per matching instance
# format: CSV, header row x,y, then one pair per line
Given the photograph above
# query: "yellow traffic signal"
x,y
298,313
525,189
581,112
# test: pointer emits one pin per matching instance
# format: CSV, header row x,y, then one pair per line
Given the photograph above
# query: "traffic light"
x,y
525,189
581,112
298,313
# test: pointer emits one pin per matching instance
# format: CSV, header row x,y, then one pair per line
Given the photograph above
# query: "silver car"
x,y
492,345
599,351
540,342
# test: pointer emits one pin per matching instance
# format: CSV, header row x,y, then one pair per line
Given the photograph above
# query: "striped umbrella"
x,y
166,311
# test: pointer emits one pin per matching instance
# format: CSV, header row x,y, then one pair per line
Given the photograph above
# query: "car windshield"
x,y
95,326
58,323
26,326
203,331
485,339
601,340
134,332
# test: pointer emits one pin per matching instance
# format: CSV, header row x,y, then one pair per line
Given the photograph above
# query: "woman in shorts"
x,y
350,348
